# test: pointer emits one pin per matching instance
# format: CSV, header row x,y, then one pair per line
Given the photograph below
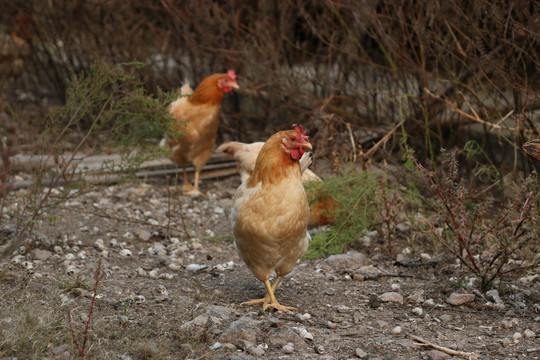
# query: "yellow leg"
x,y
195,190
270,301
187,186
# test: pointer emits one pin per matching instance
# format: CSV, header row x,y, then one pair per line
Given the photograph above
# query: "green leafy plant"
x,y
355,193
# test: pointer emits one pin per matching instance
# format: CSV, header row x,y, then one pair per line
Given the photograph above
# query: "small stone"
x,y
330,291
417,311
143,234
125,253
517,336
361,354
196,246
228,347
460,299
416,297
493,295
429,302
99,244
123,319
529,334
319,349
257,350
437,355
195,267
382,324
216,346
58,249
397,330
425,256
392,296
288,348
331,325
41,255
140,271
352,260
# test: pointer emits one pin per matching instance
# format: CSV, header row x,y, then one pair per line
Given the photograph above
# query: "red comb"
x,y
232,74
300,130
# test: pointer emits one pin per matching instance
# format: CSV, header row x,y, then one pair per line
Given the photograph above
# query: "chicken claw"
x,y
270,301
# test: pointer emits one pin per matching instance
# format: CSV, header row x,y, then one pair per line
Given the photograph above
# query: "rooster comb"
x,y
232,74
300,131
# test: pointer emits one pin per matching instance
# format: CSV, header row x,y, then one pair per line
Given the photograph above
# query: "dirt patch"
x,y
169,296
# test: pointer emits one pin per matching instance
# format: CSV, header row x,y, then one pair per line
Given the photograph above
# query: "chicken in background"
x,y
323,209
13,50
270,213
196,117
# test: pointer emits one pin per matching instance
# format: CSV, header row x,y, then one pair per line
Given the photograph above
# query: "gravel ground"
x,y
165,295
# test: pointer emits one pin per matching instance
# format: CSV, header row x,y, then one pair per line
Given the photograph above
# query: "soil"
x,y
167,295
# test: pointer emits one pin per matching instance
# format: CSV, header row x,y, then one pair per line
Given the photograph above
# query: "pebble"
x,y
392,296
460,299
417,311
429,302
319,349
529,334
331,325
125,253
361,354
195,267
257,350
382,324
437,355
330,291
352,260
288,348
517,336
41,255
99,244
397,330
416,297
228,347
304,334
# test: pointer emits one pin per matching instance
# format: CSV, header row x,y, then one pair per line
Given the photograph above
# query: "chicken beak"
x,y
234,85
306,145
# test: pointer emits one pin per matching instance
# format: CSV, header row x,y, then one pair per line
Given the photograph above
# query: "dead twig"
x,y
422,342
81,349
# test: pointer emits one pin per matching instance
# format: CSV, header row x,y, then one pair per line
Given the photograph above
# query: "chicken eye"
x,y
293,138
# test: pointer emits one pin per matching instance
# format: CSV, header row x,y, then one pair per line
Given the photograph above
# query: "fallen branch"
x,y
419,262
422,342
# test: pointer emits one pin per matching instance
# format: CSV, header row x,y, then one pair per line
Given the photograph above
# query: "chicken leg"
x,y
270,300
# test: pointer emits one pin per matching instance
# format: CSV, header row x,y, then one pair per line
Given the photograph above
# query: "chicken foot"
x,y
270,300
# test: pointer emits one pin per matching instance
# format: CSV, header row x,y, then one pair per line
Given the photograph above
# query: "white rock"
x,y
395,286
58,249
304,334
429,302
425,256
125,253
529,334
140,271
69,256
99,244
417,311
397,330
195,267
17,259
153,274
257,350
288,348
517,336
166,276
196,246
28,265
